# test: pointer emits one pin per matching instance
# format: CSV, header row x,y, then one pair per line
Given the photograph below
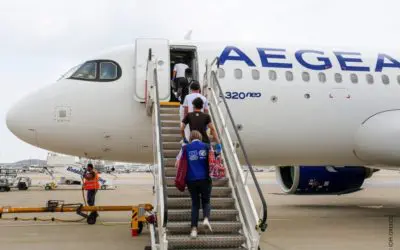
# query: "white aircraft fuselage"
x,y
297,105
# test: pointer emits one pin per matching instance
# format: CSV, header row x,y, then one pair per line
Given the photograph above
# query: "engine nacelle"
x,y
377,141
321,180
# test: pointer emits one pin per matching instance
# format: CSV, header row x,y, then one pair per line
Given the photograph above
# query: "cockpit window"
x,y
98,71
108,71
87,71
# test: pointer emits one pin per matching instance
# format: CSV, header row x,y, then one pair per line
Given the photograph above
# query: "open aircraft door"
x,y
160,52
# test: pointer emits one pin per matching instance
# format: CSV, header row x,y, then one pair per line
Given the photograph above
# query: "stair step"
x,y
224,248
171,138
170,171
223,182
218,227
169,162
170,117
171,105
171,123
171,130
186,202
185,215
205,241
171,154
172,145
169,110
215,192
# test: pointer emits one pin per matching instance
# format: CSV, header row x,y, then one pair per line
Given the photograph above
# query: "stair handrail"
x,y
159,145
153,92
209,85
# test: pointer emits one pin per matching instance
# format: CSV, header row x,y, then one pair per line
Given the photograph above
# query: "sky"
x,y
41,39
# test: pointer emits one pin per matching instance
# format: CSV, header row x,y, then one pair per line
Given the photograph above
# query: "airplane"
x,y
322,115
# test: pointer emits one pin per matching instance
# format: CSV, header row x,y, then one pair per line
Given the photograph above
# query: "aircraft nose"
x,y
21,120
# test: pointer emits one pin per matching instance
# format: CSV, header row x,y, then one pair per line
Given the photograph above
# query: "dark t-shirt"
x,y
198,121
183,88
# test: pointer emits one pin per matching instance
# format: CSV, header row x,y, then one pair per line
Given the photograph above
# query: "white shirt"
x,y
180,68
189,99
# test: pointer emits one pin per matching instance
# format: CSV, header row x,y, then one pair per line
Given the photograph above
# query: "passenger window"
x,y
354,78
272,75
87,71
238,74
398,79
221,73
322,77
385,79
255,74
370,79
289,76
338,77
108,71
305,76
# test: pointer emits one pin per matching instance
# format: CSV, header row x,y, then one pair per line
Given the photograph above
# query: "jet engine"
x,y
322,179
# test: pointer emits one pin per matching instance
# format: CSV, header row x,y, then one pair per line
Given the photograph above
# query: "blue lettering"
x,y
325,60
264,58
380,64
344,60
240,56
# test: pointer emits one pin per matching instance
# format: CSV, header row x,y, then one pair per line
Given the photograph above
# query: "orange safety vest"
x,y
92,184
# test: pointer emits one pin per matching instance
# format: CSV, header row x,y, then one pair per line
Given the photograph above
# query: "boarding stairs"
x,y
234,220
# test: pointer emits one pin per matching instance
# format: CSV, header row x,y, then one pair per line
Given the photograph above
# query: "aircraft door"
x,y
160,52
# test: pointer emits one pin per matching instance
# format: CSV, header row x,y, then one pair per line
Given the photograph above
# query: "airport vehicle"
x,y
21,183
67,179
5,186
323,116
10,179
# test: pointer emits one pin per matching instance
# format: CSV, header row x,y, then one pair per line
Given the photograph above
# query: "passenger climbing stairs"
x,y
234,218
224,215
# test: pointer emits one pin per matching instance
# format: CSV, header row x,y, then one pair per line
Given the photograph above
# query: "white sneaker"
x,y
206,224
193,234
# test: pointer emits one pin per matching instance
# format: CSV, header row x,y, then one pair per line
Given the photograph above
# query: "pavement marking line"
x,y
61,224
372,206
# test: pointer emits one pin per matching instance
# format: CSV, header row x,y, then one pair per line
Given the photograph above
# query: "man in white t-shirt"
x,y
178,78
179,70
187,105
195,92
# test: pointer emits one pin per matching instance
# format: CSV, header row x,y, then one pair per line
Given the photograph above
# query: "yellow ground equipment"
x,y
141,214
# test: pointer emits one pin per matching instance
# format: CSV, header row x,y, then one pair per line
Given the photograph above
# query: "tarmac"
x,y
368,219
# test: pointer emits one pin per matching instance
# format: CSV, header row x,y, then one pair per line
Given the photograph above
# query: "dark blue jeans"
x,y
91,196
200,190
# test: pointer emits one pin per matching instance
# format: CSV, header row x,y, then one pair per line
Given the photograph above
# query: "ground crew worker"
x,y
91,184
